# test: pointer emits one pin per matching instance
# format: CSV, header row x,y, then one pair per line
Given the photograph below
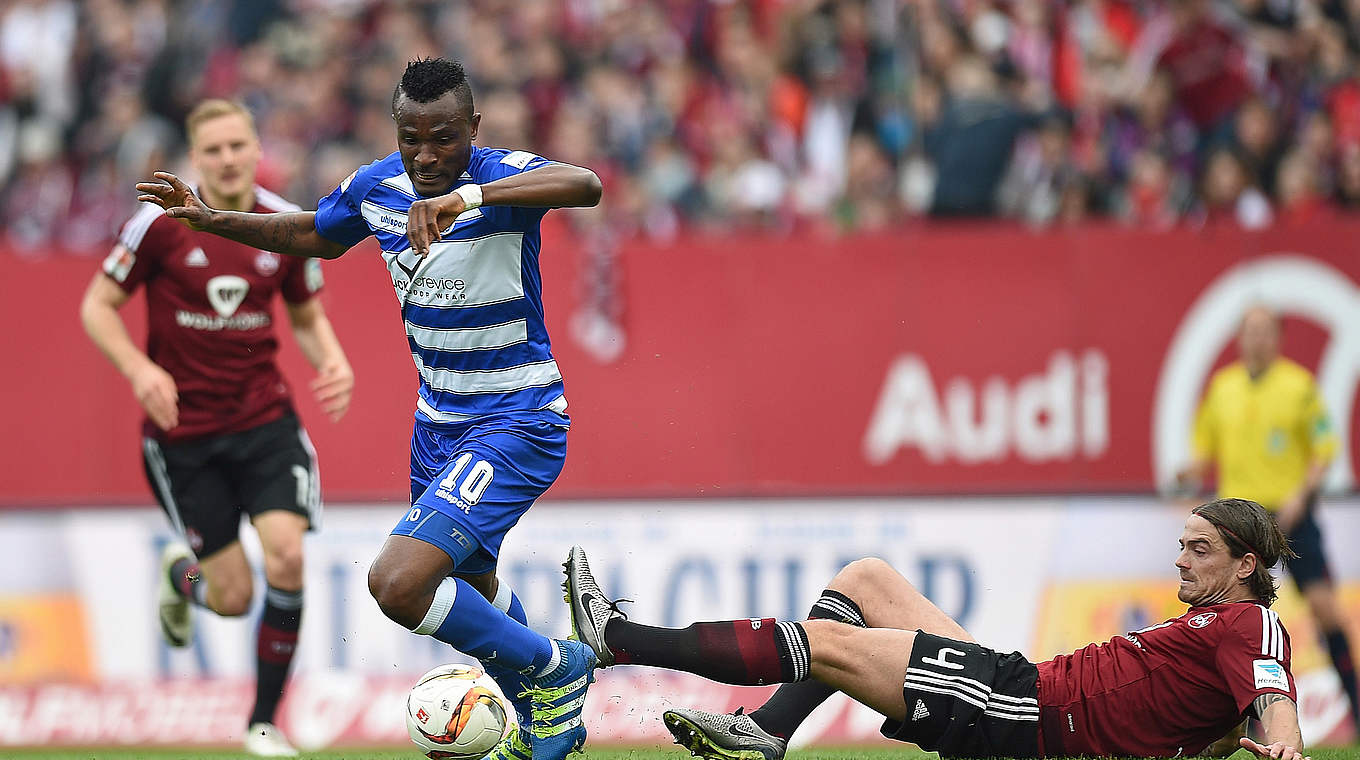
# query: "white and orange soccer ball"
x,y
456,712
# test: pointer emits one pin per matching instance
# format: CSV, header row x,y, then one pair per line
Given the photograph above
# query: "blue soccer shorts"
x,y
471,482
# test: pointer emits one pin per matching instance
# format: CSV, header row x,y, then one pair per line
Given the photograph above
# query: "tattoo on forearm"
x,y
281,232
1266,700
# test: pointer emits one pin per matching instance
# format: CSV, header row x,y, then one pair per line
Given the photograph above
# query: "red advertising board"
x,y
923,360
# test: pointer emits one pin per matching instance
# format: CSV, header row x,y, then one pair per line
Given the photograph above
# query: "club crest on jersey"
x,y
226,292
1202,619
267,263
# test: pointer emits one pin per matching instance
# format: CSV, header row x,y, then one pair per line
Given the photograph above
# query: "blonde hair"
x,y
212,109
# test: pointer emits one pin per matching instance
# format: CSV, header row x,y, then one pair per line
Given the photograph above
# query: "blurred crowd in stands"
x,y
840,115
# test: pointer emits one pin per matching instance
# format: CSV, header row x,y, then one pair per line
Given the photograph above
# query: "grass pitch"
x,y
604,753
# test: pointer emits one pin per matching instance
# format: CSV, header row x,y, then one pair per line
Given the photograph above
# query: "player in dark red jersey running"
x,y
1168,690
220,436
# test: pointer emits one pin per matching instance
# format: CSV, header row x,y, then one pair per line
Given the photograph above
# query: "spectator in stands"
x,y
34,210
1348,177
1150,198
1227,194
971,144
1207,65
1299,195
1255,138
940,92
1040,172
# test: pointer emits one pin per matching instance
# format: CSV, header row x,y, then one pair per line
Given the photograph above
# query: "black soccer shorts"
x,y
1306,541
965,700
205,485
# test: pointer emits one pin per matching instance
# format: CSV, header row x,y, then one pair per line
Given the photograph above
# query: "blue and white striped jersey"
x,y
473,307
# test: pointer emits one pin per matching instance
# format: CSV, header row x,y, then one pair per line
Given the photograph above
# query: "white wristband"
x,y
471,194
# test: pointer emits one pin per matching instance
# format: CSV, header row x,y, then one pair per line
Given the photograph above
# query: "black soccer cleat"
x,y
590,610
723,737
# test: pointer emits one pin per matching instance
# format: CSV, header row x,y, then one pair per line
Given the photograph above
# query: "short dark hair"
x,y
1245,526
429,79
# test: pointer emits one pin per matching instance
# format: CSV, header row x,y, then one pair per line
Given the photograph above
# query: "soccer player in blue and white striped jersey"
x,y
458,226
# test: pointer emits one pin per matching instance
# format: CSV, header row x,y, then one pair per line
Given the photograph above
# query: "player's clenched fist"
x,y
1276,750
177,198
430,215
155,391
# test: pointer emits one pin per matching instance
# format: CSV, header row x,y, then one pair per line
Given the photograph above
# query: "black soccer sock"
x,y
188,581
274,649
1340,650
790,705
741,652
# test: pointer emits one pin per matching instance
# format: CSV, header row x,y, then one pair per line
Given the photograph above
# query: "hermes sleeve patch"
x,y
1269,674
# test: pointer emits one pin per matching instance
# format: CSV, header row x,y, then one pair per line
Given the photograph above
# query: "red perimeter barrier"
x,y
927,359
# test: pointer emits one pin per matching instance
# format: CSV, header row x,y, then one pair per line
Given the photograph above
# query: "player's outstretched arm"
x,y
1280,719
551,186
289,232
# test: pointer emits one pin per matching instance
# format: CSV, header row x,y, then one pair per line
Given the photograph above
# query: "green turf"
x,y
610,753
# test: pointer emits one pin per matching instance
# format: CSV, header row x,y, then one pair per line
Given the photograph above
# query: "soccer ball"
x,y
456,712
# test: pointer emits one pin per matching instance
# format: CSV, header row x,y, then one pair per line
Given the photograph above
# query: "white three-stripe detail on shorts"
x,y
161,474
975,693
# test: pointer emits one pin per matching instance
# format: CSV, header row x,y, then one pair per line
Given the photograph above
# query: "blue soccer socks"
x,y
462,618
514,684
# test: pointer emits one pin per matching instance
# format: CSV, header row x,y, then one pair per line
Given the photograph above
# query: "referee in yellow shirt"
x,y
1264,425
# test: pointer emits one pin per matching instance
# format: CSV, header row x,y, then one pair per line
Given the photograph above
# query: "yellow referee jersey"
x,y
1264,433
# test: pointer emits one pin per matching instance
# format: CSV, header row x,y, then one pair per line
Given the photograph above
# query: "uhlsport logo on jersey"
x,y
1292,284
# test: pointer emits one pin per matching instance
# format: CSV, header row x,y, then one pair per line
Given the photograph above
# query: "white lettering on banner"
x,y
326,709
1059,414
766,558
646,552
1292,284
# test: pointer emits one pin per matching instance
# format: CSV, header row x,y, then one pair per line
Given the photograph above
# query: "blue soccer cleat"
x,y
556,700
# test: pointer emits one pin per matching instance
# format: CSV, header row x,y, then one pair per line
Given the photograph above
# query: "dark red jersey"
x,y
209,316
1208,69
1169,690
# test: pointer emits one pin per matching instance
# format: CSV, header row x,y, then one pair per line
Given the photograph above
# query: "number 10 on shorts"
x,y
473,486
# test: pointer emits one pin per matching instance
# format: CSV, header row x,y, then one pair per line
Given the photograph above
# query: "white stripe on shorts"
x,y
314,485
160,475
